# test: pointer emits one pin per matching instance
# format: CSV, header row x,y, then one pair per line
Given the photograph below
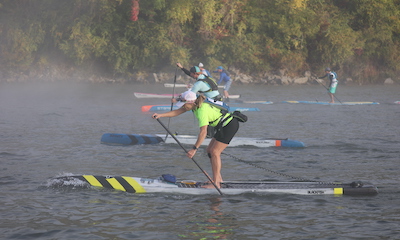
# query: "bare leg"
x,y
226,94
332,99
214,150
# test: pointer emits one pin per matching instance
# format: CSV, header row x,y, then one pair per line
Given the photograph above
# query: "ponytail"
x,y
199,101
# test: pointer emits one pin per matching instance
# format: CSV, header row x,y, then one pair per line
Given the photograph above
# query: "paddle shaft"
x,y
172,104
177,141
330,92
173,89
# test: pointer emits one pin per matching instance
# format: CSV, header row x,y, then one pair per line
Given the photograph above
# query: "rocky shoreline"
x,y
56,75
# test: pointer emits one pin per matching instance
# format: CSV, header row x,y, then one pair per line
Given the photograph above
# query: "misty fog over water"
x,y
52,129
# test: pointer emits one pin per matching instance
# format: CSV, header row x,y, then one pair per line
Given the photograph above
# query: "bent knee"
x,y
213,154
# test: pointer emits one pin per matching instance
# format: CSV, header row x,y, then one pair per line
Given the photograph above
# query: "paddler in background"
x,y
332,76
205,85
226,126
224,77
204,71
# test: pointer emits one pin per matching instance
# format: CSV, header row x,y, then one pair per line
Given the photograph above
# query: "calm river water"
x,y
51,129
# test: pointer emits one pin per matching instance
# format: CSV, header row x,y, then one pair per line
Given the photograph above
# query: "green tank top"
x,y
210,115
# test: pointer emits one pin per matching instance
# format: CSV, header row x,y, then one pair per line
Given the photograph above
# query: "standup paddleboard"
x,y
180,85
168,183
137,139
251,102
158,108
154,95
336,103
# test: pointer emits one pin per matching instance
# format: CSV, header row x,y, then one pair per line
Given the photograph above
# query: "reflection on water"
x,y
213,224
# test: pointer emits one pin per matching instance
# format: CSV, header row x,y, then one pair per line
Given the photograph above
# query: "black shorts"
x,y
228,132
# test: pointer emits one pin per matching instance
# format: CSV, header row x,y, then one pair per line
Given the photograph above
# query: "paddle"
x,y
328,91
172,104
177,141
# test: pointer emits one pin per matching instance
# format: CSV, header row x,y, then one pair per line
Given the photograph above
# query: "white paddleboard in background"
x,y
180,85
155,95
336,103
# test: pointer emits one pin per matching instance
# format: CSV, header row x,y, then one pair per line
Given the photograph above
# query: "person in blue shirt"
x,y
224,77
332,76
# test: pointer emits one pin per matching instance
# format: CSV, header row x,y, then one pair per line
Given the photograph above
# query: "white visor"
x,y
185,97
180,104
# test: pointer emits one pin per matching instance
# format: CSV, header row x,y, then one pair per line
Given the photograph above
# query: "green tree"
x,y
379,25
360,38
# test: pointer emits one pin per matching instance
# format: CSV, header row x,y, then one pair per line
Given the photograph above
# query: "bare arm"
x,y
187,72
200,138
172,113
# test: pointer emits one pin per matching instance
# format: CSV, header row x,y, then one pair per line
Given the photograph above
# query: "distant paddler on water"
x,y
204,71
203,84
226,79
332,76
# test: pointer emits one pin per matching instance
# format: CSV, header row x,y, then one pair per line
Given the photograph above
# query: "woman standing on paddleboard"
x,y
225,124
204,84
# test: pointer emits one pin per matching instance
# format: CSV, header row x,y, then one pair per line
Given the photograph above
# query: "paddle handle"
x,y
204,172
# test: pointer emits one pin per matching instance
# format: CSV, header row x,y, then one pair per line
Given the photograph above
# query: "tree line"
x,y
356,38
